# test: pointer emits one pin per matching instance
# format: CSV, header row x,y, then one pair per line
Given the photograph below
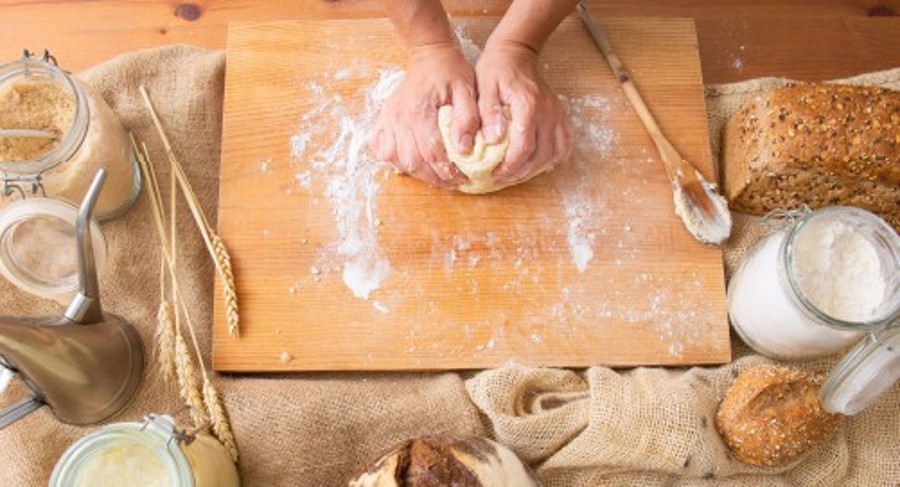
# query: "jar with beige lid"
x,y
81,134
151,453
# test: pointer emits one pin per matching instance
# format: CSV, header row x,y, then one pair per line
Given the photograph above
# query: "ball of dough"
x,y
477,165
772,414
444,461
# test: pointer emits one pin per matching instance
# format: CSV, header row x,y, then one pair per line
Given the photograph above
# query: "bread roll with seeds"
x,y
772,414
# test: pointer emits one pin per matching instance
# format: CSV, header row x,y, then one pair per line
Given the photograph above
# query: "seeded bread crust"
x,y
771,415
815,144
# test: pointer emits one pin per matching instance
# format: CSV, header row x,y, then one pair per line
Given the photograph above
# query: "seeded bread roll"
x,y
819,145
772,414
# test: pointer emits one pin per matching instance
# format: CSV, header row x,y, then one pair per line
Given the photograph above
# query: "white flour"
x,y
350,178
471,51
839,271
593,141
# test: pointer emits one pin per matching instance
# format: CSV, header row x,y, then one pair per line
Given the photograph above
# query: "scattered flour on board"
x,y
471,51
341,164
584,209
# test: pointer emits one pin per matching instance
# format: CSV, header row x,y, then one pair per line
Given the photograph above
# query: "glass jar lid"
x,y
38,248
865,374
144,454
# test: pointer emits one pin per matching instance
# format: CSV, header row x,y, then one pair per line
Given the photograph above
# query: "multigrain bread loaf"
x,y
815,144
771,415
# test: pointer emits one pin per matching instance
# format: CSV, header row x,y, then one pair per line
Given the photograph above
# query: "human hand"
x,y
540,133
406,132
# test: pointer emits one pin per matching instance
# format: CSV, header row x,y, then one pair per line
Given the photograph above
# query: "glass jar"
x,y
865,373
35,94
818,286
38,247
152,453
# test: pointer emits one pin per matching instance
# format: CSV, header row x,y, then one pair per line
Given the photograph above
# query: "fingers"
x,y
428,141
411,161
540,158
565,142
522,139
465,118
490,110
384,147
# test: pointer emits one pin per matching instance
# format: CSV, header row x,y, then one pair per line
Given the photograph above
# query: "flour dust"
x,y
350,176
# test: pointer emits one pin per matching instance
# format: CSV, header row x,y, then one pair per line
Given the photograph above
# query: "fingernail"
x,y
465,142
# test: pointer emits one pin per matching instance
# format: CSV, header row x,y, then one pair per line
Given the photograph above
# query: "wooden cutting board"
x,y
344,266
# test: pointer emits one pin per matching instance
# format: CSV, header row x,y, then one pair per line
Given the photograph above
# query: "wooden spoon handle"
x,y
666,150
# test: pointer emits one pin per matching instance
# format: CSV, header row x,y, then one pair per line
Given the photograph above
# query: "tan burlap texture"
x,y
600,427
655,427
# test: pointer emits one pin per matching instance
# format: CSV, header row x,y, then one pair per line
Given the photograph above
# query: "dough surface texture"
x,y
479,164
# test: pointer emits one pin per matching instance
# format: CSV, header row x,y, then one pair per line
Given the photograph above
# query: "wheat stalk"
x,y
210,403
214,243
221,427
188,385
165,340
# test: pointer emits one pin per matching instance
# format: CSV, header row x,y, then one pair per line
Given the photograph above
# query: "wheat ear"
x,y
221,427
214,243
223,261
188,384
165,340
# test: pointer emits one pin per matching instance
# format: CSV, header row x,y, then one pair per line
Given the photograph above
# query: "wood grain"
x,y
739,39
475,281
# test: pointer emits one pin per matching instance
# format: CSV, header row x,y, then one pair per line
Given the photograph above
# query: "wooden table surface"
x,y
739,39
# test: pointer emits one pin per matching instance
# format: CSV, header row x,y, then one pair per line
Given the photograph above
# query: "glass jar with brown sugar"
x,y
55,133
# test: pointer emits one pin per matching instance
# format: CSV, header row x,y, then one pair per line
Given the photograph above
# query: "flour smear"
x,y
349,175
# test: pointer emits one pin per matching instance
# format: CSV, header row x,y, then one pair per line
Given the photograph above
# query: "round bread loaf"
x,y
772,414
447,461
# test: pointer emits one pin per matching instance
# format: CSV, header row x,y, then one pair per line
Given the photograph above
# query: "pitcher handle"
x,y
19,410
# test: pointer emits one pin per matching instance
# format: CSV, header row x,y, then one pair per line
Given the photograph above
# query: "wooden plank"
x,y
818,40
474,281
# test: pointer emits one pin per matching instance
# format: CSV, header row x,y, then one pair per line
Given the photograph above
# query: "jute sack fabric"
x,y
298,430
655,427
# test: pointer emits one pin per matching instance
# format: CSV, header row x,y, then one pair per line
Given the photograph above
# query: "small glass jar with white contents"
x,y
148,453
55,133
818,286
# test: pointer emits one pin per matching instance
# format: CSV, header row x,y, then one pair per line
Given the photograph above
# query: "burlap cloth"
x,y
600,427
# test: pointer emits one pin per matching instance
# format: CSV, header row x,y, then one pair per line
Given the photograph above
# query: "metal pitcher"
x,y
85,365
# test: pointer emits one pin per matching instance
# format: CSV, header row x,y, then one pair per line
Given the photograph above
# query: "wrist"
x,y
434,51
515,51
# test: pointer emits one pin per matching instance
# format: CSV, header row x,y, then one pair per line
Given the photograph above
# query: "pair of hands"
x,y
406,133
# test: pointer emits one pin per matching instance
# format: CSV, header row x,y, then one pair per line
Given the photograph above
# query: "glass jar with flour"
x,y
816,287
55,133
148,453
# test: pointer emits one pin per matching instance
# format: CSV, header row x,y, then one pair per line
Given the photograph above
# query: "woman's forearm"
x,y
420,22
529,23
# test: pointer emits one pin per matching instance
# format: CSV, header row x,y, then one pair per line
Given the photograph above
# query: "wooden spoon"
x,y
14,133
702,209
